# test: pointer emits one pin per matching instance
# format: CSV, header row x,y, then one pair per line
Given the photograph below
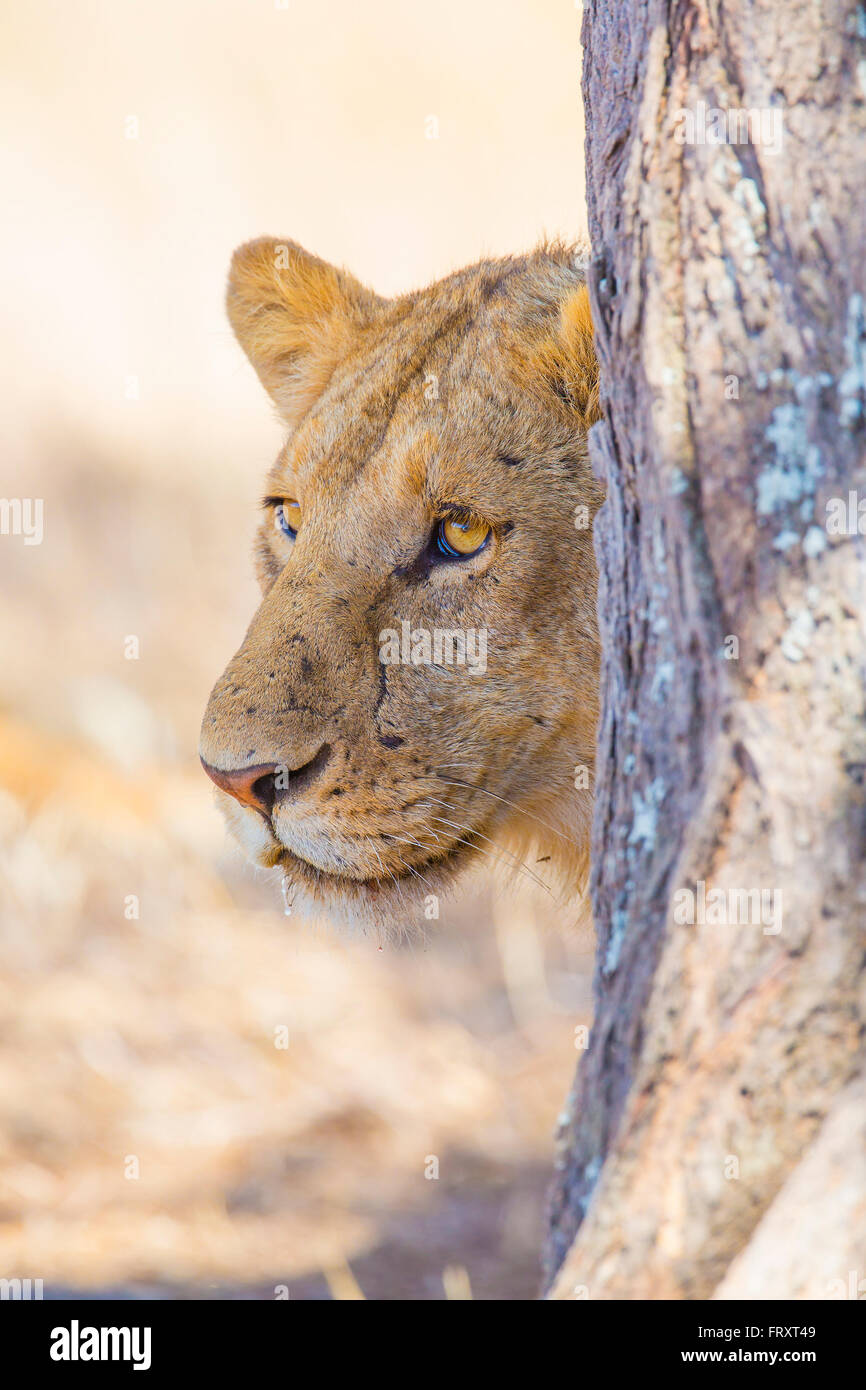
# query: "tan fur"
x,y
473,393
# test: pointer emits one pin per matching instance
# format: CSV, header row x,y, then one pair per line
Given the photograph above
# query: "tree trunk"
x,y
718,1089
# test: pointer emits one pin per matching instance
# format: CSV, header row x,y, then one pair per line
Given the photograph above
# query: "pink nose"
x,y
251,786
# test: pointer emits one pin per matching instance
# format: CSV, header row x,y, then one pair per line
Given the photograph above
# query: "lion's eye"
x,y
287,517
461,538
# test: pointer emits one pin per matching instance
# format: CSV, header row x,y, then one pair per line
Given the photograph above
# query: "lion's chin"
x,y
393,909
396,904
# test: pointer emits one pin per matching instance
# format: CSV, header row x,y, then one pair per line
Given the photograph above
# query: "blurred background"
x,y
156,1136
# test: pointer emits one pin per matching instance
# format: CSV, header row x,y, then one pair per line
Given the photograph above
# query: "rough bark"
x,y
728,294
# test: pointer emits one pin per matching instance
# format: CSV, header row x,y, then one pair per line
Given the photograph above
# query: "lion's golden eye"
x,y
461,538
287,516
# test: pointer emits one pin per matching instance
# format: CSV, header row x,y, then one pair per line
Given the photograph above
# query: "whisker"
x,y
379,857
410,867
403,864
412,841
500,848
471,786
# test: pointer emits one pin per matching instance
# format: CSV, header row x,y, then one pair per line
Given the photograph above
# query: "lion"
x,y
417,693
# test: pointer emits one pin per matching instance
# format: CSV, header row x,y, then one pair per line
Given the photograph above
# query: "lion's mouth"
x,y
368,873
312,876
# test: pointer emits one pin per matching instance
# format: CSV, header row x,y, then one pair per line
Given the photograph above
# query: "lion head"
x,y
417,691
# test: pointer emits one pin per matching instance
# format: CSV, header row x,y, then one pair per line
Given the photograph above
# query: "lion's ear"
x,y
553,344
565,356
575,355
294,316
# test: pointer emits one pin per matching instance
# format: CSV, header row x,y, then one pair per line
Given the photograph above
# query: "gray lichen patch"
x,y
796,638
794,474
852,383
646,814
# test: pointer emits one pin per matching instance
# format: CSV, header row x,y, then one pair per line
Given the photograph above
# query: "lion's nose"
x,y
259,786
251,786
